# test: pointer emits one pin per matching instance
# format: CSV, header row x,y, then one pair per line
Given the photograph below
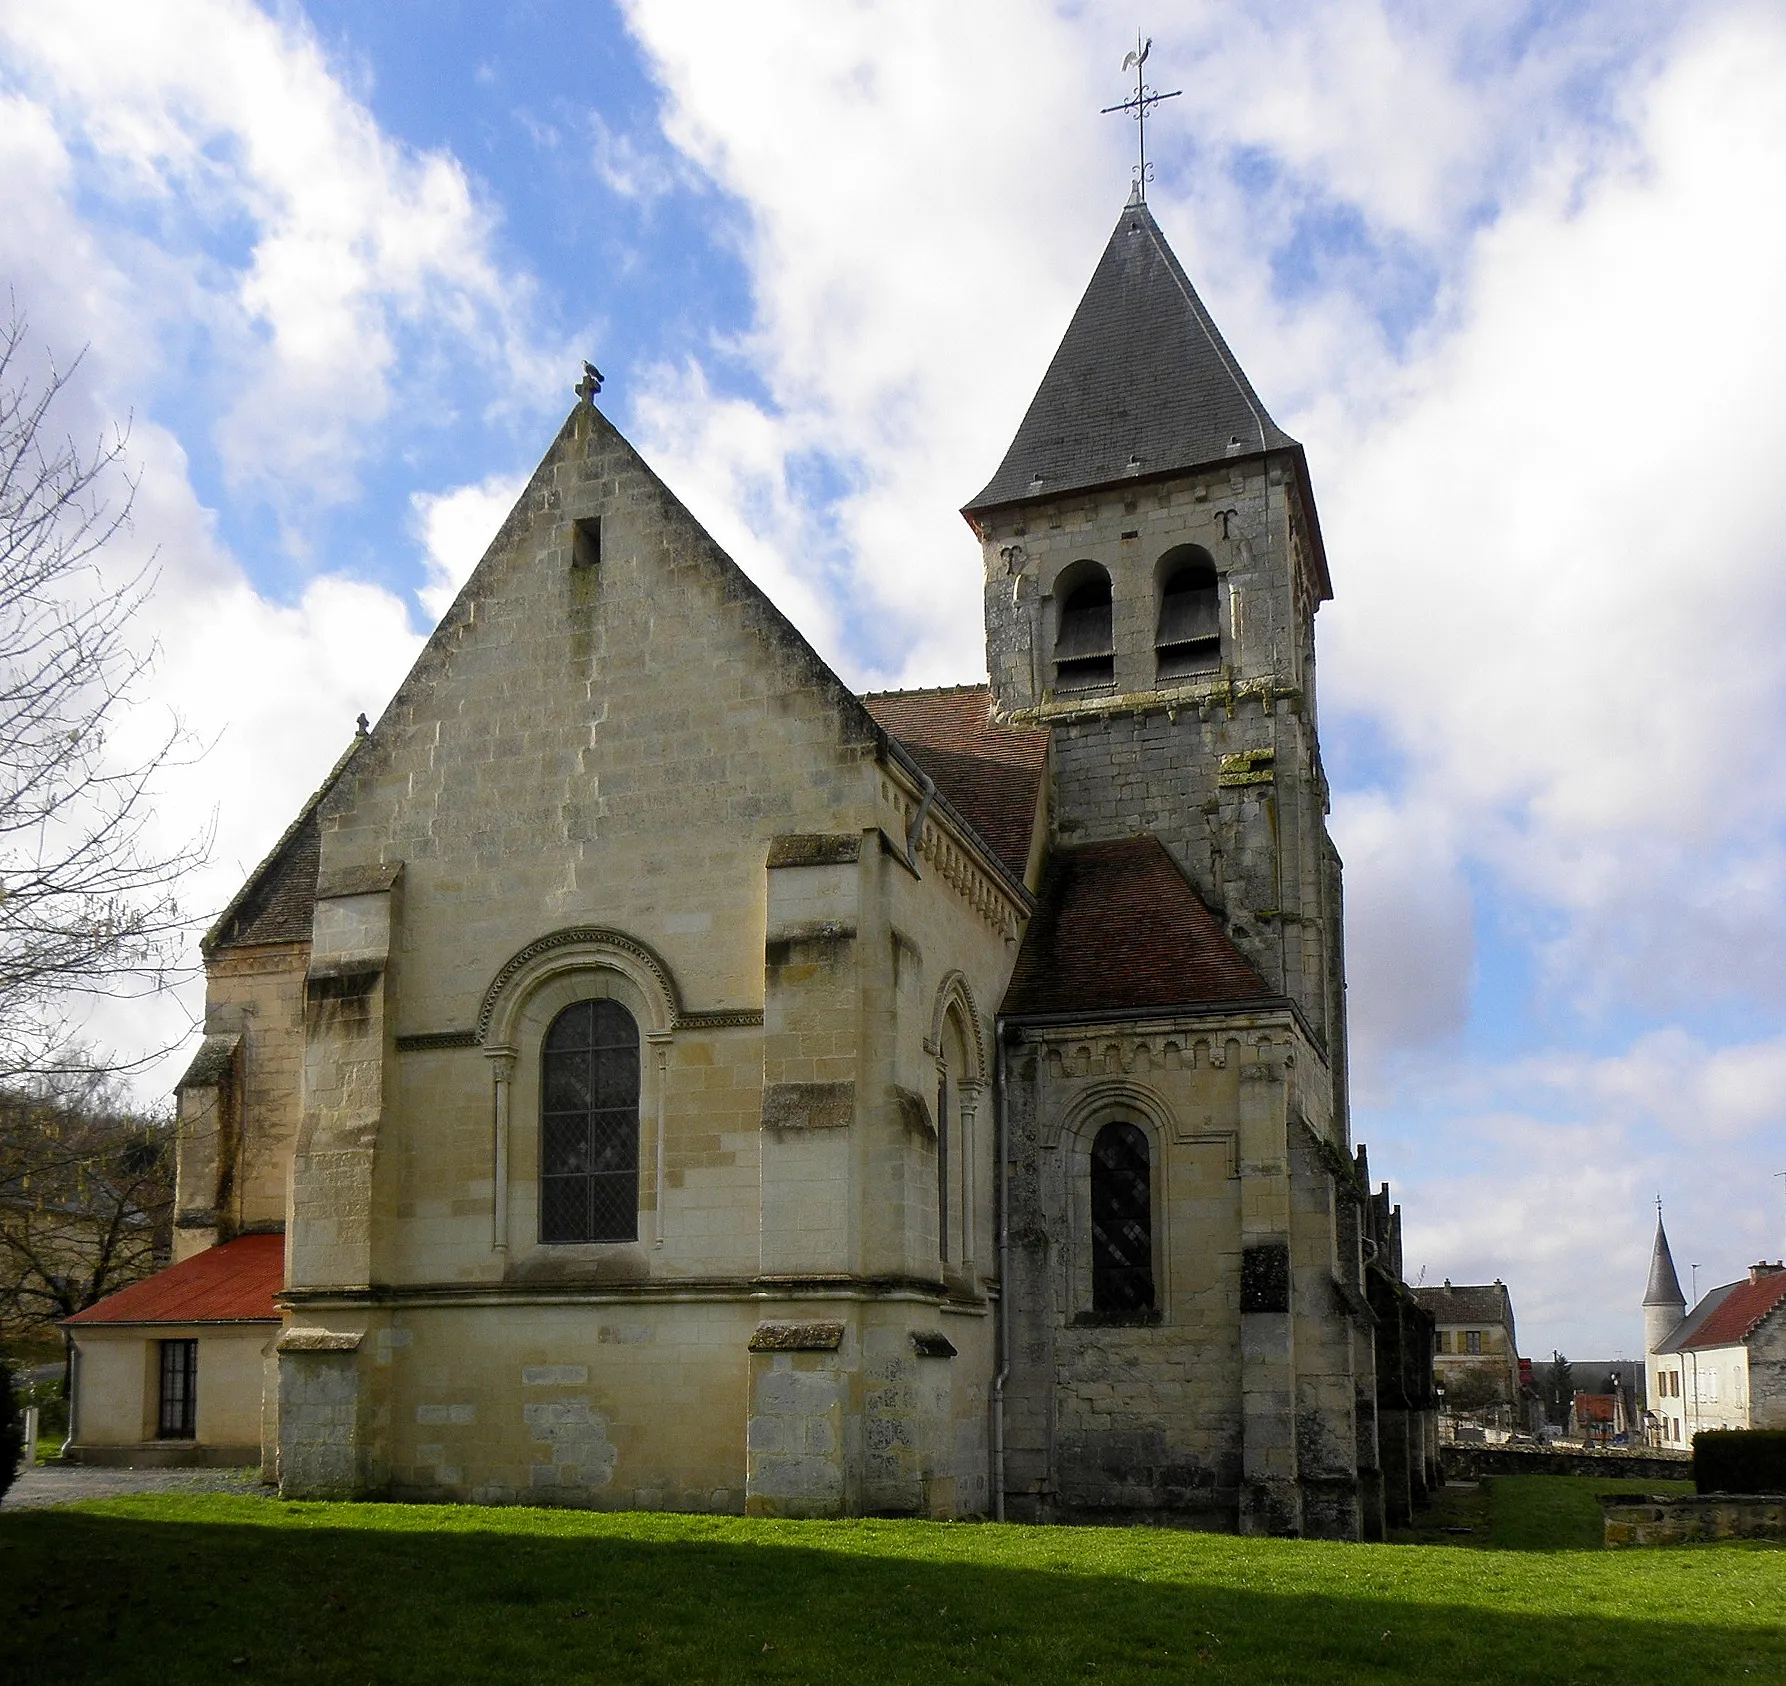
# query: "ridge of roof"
x,y
231,1283
1120,927
990,773
1476,1302
978,686
1142,383
1738,1311
1664,1286
1689,1325
213,938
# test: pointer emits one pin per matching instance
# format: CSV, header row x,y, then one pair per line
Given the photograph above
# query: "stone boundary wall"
x,y
1659,1519
1471,1463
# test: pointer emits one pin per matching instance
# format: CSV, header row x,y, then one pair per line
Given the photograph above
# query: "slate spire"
x,y
1665,1286
1143,383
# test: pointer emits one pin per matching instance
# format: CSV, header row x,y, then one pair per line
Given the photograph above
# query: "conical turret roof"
x,y
1143,383
1665,1285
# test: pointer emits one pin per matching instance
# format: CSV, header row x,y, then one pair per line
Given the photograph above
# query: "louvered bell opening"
x,y
1085,648
1189,638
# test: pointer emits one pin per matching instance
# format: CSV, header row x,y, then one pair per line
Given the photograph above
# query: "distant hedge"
x,y
1740,1460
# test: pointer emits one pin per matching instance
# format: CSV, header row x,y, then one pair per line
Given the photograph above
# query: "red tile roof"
x,y
1119,927
234,1283
992,775
1734,1318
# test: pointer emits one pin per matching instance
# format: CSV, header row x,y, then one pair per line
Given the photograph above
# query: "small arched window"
x,y
589,1125
1189,637
1121,1220
1084,647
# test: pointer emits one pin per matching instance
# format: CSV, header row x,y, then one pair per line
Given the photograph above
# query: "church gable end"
x,y
689,1085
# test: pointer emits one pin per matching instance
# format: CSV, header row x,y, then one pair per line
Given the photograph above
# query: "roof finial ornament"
x,y
1145,99
590,384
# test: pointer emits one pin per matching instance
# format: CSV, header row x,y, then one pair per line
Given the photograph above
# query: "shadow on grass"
x,y
351,1595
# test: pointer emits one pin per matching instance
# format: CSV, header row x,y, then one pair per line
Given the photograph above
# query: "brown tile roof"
x,y
992,775
1467,1303
1119,928
1735,1316
234,1283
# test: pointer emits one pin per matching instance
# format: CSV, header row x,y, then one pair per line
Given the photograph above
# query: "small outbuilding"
x,y
174,1370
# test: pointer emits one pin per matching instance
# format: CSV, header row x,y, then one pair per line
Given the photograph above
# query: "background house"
x,y
1477,1357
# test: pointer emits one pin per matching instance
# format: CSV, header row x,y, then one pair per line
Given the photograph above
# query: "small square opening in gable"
x,y
586,542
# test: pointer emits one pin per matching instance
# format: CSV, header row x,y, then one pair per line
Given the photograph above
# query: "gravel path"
x,y
65,1484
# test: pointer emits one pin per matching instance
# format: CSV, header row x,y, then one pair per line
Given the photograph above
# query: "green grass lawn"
x,y
207,1589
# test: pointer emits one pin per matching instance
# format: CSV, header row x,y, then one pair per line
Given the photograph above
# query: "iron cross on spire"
x,y
1145,99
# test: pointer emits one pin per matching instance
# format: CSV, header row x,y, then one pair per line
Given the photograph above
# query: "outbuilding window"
x,y
589,1125
1084,644
177,1418
1188,637
1121,1220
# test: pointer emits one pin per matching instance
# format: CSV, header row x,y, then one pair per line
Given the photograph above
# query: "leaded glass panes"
x,y
1121,1220
589,1125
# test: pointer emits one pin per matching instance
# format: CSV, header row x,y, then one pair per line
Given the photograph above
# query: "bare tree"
x,y
87,903
86,1199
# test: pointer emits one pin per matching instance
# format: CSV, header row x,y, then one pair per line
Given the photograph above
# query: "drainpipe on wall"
x,y
71,1389
1002,1127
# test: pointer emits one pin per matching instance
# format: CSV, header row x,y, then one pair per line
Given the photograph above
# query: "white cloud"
x,y
195,118
1559,561
1551,508
1542,1210
364,262
456,528
1697,1092
1552,511
1409,941
633,171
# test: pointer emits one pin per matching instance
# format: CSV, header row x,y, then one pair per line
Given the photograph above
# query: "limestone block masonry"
x,y
629,1033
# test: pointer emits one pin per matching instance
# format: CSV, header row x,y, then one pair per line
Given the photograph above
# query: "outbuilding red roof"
x,y
1735,1316
992,775
234,1283
1119,928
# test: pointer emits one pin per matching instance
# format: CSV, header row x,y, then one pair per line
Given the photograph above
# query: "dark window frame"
x,y
1121,1172
591,1084
176,1416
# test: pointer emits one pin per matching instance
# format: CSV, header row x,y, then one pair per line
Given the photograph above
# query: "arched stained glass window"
x,y
589,1125
1121,1220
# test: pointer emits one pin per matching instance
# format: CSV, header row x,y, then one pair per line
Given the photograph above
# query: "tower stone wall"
x,y
1224,765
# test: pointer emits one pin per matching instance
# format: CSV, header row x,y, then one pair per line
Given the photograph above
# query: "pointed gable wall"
x,y
610,742
604,746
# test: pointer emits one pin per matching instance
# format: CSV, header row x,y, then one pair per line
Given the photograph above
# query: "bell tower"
x,y
1153,565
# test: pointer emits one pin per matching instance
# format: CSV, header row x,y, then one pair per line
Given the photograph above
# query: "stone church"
x,y
683,1083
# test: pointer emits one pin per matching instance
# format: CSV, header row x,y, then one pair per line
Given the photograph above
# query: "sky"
x,y
1511,272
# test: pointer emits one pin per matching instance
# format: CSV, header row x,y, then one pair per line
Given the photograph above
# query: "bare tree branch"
x,y
86,1198
87,897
